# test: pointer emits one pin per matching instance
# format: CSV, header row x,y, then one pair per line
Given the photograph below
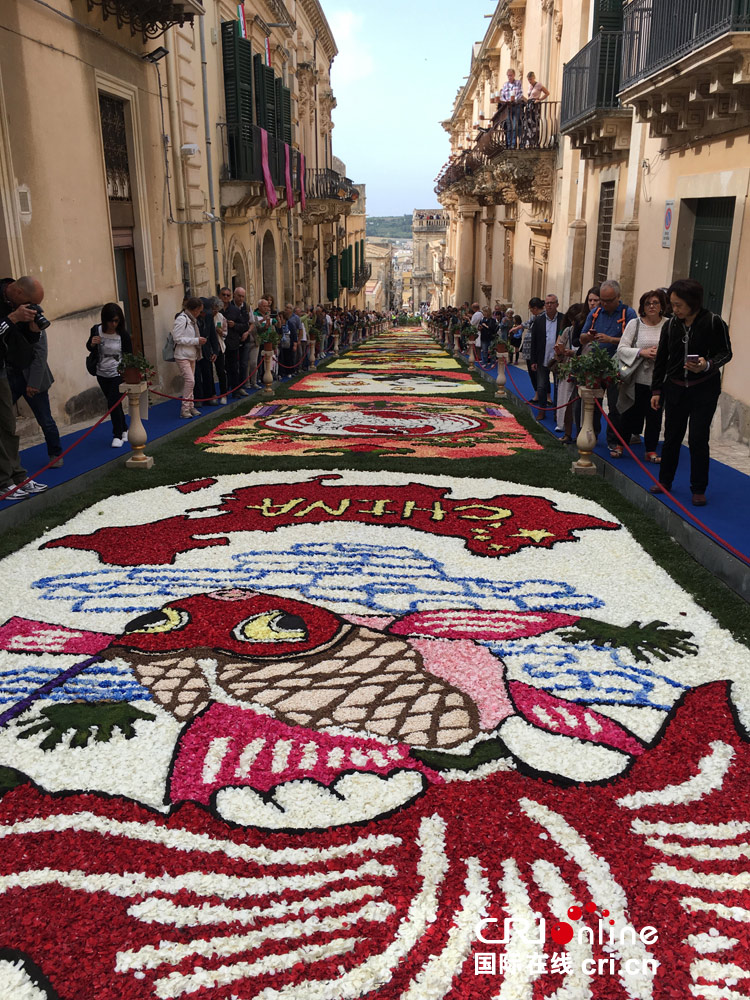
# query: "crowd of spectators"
x,y
669,354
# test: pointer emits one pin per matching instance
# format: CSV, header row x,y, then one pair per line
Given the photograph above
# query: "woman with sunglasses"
x,y
636,354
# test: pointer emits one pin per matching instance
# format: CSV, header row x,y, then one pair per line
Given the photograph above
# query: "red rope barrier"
x,y
723,542
205,399
56,458
532,402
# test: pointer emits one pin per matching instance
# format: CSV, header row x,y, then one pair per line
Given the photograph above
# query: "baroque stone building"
x,y
428,240
151,150
636,166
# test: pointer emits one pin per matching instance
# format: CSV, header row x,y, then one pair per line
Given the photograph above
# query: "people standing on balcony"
x,y
693,348
511,99
188,343
604,327
109,340
636,354
532,112
545,331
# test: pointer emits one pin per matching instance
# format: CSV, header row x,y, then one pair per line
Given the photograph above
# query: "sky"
x,y
395,79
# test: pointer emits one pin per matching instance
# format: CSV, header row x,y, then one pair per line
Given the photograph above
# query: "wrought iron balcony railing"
x,y
328,185
149,17
658,33
361,277
531,125
243,158
591,80
465,165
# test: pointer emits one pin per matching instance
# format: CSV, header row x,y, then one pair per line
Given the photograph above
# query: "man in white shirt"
x,y
545,330
477,314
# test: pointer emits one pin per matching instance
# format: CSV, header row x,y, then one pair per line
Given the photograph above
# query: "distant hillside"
x,y
393,226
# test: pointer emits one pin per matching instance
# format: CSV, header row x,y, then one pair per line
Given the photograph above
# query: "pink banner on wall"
x,y
288,174
302,199
270,189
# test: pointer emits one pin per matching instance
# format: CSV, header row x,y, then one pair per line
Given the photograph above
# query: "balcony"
x,y
512,160
429,222
242,183
448,265
522,128
686,66
591,114
329,195
361,278
149,17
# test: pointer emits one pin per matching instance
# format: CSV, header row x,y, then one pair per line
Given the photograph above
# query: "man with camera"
x,y
21,322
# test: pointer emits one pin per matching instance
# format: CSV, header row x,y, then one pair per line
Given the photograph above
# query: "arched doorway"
x,y
269,268
286,271
239,279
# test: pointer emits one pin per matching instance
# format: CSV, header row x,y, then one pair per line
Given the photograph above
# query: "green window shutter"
x,y
357,266
265,95
283,111
286,100
238,98
607,16
332,284
350,255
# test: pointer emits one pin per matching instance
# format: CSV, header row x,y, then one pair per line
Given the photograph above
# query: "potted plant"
x,y
134,368
500,346
270,338
594,370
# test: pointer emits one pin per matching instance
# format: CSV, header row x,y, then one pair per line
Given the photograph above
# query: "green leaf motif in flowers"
x,y
98,721
643,641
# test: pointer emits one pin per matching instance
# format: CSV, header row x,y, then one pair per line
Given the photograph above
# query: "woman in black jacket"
x,y
693,347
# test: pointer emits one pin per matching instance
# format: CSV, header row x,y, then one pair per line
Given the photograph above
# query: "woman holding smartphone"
x,y
693,348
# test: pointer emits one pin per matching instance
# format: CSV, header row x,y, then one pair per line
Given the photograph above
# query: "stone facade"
x,y
117,180
638,169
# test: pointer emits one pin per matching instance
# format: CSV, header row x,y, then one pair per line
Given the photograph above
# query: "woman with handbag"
x,y
636,354
693,348
107,343
188,345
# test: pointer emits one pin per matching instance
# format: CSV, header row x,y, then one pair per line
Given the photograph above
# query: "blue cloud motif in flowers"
x,y
391,580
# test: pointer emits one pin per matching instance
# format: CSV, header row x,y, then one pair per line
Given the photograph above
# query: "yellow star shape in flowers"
x,y
497,548
538,534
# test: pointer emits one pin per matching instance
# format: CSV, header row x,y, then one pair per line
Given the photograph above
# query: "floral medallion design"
x,y
436,428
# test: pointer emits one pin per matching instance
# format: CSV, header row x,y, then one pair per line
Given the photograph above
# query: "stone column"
x,y
466,252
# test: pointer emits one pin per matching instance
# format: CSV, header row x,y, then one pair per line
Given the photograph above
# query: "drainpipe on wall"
x,y
209,151
179,180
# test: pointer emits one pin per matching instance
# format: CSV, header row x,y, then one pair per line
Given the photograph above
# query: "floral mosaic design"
x,y
368,383
437,428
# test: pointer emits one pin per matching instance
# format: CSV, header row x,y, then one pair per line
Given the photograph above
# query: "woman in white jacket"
x,y
187,350
636,353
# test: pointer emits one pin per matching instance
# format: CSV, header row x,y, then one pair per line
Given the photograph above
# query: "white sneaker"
x,y
117,442
33,487
223,400
125,436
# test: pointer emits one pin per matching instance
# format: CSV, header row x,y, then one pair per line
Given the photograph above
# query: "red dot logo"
x,y
561,932
575,913
590,907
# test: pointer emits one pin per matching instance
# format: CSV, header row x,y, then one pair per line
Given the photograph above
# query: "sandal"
x,y
615,452
651,456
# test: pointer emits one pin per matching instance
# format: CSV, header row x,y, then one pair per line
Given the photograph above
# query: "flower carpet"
x,y
364,382
320,734
438,428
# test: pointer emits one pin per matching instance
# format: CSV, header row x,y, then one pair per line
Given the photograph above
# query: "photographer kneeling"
x,y
21,321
